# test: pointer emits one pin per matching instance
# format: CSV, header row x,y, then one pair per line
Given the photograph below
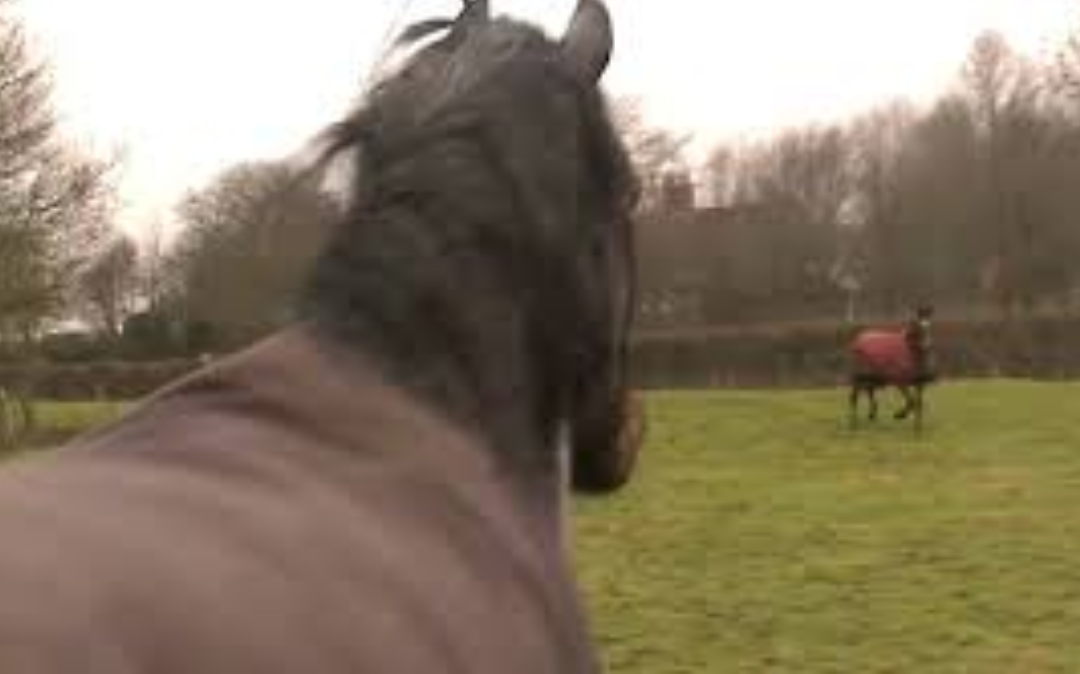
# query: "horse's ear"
x,y
589,40
475,13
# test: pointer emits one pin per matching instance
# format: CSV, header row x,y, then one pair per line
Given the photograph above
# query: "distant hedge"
x,y
767,356
93,381
816,354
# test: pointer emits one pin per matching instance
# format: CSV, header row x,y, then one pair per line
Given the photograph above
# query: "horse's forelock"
x,y
434,74
443,89
443,67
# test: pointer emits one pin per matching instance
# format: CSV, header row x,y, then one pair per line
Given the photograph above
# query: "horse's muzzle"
x,y
605,462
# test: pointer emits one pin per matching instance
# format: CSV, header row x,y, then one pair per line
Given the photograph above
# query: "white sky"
x,y
190,87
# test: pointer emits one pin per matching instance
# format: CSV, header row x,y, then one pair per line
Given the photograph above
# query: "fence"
x,y
91,381
769,356
816,355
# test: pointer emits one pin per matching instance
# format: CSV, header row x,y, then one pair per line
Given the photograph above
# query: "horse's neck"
x,y
547,501
563,486
447,328
496,404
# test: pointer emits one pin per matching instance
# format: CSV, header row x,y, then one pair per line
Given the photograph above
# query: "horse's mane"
x,y
458,264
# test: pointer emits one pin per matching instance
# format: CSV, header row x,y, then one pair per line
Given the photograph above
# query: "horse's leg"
x,y
909,403
918,407
853,403
871,393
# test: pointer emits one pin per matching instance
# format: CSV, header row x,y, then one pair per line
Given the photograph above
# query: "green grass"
x,y
72,418
762,535
56,422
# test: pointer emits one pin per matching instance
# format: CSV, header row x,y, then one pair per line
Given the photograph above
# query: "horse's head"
x,y
920,340
503,136
922,323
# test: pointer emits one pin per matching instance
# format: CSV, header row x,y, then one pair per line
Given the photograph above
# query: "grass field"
x,y
66,419
55,422
765,536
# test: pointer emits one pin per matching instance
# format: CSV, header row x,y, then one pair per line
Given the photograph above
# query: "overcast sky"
x,y
192,86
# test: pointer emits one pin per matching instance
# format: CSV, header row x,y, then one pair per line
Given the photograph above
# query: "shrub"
x,y
816,354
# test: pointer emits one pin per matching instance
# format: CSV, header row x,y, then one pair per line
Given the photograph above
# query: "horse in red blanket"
x,y
901,358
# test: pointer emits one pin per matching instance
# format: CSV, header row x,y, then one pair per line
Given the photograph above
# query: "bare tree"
x,y
110,283
722,174
801,180
248,239
54,200
657,153
880,158
988,82
1007,97
1066,72
154,272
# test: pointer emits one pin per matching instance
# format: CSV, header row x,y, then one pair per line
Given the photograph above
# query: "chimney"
x,y
677,193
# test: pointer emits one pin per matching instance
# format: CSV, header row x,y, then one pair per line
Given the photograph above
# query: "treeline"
x,y
227,277
245,244
970,203
56,199
230,276
815,354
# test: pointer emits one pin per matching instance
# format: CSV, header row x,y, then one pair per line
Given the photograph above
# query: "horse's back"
x,y
882,354
211,534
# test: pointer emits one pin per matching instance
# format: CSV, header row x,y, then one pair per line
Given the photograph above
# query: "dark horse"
x,y
900,358
376,489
